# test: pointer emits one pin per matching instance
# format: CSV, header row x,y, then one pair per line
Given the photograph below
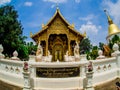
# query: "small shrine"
x,y
58,38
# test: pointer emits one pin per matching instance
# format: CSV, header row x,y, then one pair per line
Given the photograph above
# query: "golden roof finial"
x,y
109,19
57,6
31,34
43,25
85,34
73,25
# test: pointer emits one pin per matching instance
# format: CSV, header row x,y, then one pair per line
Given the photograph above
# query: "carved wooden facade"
x,y
57,36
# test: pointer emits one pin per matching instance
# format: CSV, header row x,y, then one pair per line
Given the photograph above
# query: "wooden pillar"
x,y
46,44
46,47
69,47
69,44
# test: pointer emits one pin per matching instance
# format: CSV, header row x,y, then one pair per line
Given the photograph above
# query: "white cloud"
x,y
28,4
4,1
33,25
55,1
113,8
87,18
94,44
53,6
77,1
89,27
28,41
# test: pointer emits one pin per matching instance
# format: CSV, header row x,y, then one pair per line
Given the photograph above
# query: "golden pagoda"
x,y
112,28
57,37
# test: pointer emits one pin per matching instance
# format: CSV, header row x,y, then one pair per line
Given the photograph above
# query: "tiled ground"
x,y
106,86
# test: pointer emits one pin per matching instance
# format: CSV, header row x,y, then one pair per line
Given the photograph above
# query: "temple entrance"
x,y
58,45
58,52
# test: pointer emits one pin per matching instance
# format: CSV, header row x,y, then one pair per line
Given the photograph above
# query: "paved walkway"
x,y
7,86
108,86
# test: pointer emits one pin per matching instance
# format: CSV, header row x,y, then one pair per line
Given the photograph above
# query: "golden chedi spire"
x,y
112,28
108,17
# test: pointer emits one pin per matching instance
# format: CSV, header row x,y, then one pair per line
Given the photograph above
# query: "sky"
x,y
87,15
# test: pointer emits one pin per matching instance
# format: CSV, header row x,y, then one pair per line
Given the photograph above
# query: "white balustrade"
x,y
12,71
102,65
13,67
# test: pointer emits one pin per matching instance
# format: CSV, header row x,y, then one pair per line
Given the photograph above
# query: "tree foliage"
x,y
85,46
31,48
10,31
115,39
101,46
93,54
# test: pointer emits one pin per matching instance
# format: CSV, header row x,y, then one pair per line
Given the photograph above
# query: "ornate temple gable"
x,y
58,26
57,13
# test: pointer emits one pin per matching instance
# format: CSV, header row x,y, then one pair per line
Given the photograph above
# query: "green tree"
x,y
10,30
101,46
93,54
85,46
23,52
31,48
115,39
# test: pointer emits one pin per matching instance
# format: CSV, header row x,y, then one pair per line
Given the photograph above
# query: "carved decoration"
x,y
104,67
109,66
6,68
98,69
17,70
11,69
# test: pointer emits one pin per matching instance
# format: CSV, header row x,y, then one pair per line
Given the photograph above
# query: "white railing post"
x,y
116,54
83,66
82,71
118,64
89,77
118,60
26,75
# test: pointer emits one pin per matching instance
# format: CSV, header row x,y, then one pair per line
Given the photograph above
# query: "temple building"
x,y
58,37
112,28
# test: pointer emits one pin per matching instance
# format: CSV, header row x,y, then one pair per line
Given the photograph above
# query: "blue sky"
x,y
87,15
